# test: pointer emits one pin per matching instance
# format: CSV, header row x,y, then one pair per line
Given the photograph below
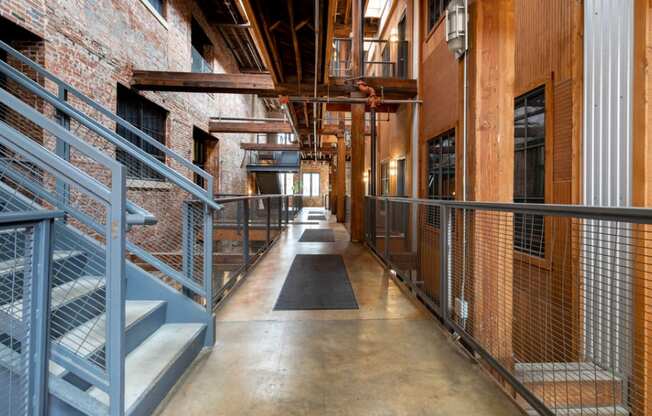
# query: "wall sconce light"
x,y
392,167
365,177
456,24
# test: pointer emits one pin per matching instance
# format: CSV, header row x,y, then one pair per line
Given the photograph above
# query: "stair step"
x,y
571,386
18,264
61,295
587,411
146,367
88,338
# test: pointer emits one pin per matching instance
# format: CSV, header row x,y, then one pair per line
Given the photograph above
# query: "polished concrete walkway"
x,y
387,358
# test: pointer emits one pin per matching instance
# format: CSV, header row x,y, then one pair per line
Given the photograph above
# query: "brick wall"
x,y
323,169
95,45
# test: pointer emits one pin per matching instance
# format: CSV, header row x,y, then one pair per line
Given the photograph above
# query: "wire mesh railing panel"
x,y
17,249
159,181
399,238
229,245
557,299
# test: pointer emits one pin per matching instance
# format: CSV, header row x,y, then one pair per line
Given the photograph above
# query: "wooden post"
x,y
357,169
341,178
642,197
491,171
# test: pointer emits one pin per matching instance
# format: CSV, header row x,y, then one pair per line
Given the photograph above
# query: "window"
x,y
402,60
384,178
158,5
311,184
387,64
149,118
441,166
436,9
287,183
400,177
199,48
529,170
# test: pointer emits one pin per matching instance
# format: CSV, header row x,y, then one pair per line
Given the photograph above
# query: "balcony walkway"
x,y
387,358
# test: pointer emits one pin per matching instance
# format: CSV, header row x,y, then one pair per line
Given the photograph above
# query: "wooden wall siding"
x,y
642,196
546,54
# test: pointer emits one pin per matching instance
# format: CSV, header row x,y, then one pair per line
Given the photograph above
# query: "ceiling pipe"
x,y
349,100
314,104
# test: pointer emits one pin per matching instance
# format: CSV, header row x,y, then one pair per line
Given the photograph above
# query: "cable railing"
x,y
556,299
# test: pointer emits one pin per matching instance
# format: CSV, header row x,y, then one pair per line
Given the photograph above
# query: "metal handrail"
x,y
17,218
108,113
629,214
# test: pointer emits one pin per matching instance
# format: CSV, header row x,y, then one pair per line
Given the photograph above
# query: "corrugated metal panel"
x,y
608,61
607,176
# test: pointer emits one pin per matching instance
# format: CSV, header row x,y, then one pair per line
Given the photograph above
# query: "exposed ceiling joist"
x,y
215,126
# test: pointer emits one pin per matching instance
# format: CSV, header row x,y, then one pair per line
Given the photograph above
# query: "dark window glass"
x,y
158,5
402,61
200,47
400,177
529,170
441,172
387,63
148,117
384,178
436,9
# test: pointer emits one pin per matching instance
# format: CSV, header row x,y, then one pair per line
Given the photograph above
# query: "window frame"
x,y
135,169
161,17
430,144
310,193
541,255
384,178
284,182
432,23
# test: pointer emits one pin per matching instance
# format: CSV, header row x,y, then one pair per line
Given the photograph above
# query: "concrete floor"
x,y
387,358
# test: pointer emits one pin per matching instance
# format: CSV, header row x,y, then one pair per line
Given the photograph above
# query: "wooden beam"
x,y
271,44
202,82
248,127
271,147
256,33
295,41
357,169
341,178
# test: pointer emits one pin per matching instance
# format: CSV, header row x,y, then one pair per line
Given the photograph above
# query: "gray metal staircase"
x,y
120,335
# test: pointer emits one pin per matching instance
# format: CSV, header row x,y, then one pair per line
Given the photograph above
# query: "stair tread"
x,y
61,295
561,372
587,411
149,361
16,264
91,334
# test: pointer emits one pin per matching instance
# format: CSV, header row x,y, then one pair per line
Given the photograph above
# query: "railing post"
x,y
387,233
208,273
280,213
187,242
287,210
443,261
245,231
62,149
40,319
115,292
269,220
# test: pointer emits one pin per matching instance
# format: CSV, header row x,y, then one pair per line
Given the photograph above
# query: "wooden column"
x,y
341,178
357,36
357,170
642,196
491,172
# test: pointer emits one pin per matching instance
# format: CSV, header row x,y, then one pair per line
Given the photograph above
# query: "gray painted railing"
x,y
26,259
548,295
31,175
177,239
245,230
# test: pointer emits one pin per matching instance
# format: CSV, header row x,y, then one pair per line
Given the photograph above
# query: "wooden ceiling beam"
x,y
261,84
246,10
295,41
249,127
270,147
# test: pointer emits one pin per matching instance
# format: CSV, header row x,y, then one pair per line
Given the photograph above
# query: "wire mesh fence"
x,y
556,298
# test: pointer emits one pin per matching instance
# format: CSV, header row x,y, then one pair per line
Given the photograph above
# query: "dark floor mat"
x,y
317,281
316,212
317,235
316,218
